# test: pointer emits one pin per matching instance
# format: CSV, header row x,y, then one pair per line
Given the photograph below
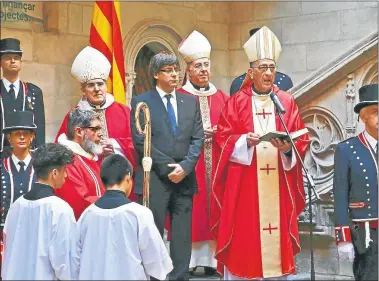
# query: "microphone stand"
x,y
311,187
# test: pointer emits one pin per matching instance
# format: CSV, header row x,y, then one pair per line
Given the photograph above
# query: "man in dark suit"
x,y
177,139
355,189
283,81
17,95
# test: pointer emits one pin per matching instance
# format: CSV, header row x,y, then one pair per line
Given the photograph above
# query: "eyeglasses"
x,y
263,68
199,66
170,71
91,85
93,129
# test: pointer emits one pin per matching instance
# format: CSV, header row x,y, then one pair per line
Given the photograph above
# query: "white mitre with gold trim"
x,y
195,46
263,45
90,64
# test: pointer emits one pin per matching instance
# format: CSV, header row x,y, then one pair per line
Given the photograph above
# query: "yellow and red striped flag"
x,y
105,36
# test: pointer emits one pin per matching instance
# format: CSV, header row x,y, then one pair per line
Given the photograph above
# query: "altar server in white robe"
x,y
39,225
118,234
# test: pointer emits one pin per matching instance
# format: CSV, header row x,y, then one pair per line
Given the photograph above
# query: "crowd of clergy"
x,y
221,197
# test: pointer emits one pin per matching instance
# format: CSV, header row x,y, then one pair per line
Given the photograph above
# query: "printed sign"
x,y
19,14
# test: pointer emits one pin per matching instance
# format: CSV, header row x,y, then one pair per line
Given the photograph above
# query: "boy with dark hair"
x,y
39,225
122,229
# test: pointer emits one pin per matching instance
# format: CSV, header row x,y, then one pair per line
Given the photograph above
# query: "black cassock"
x,y
29,98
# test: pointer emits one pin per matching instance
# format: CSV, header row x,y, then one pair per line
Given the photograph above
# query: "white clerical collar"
x,y
84,104
163,93
371,140
261,96
26,161
191,89
16,84
75,147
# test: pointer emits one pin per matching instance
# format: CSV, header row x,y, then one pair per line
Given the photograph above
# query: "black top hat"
x,y
10,45
368,95
19,120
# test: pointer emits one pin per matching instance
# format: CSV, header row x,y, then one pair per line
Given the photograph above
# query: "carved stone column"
x,y
350,103
130,78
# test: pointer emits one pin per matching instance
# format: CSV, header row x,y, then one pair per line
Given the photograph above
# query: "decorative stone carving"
x,y
304,216
130,77
350,93
325,133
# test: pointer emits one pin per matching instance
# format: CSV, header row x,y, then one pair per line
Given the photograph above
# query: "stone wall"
x,y
50,49
48,54
311,33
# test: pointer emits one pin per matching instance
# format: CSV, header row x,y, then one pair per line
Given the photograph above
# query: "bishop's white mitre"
x,y
263,45
195,46
90,64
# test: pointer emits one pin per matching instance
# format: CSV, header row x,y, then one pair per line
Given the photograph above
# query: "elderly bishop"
x,y
91,69
258,192
196,51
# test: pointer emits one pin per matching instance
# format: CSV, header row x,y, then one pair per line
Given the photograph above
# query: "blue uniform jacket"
x,y
355,185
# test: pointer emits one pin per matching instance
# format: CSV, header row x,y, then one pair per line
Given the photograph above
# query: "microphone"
x,y
277,103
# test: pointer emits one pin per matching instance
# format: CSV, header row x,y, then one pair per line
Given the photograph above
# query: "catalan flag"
x,y
105,36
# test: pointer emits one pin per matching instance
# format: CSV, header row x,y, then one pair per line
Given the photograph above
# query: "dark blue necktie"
x,y
12,92
171,113
22,166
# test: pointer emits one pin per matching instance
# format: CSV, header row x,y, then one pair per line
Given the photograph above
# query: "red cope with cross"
x,y
267,169
269,228
264,113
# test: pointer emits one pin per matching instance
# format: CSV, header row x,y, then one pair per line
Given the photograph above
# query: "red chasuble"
x,y
83,184
117,123
201,201
117,118
235,201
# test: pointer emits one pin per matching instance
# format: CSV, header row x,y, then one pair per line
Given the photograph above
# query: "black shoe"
x,y
209,271
192,272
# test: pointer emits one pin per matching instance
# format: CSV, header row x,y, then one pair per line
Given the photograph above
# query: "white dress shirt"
x,y
26,161
371,140
16,84
172,100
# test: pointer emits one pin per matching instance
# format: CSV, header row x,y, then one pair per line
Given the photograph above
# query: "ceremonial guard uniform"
x,y
15,181
28,98
356,194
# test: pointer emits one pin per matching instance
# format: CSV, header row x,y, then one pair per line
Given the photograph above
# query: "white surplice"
x,y
119,244
37,240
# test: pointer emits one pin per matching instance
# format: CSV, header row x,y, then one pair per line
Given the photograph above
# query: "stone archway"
x,y
148,33
371,75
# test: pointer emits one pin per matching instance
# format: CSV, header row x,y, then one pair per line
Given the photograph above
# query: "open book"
x,y
283,135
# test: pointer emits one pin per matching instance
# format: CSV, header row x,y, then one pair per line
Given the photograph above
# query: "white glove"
x,y
346,250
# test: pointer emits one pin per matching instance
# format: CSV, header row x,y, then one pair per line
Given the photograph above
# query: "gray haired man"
x,y
177,139
83,185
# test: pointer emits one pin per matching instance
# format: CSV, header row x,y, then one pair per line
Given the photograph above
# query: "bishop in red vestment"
x,y
91,69
257,192
196,51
